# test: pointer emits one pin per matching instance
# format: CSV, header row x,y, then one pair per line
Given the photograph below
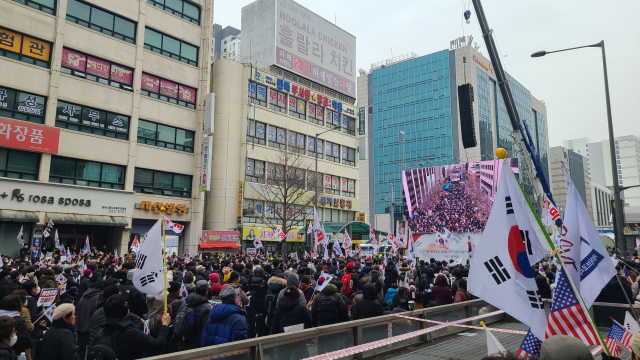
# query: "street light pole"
x,y
621,244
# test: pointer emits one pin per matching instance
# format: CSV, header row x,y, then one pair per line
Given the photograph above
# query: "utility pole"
x,y
391,209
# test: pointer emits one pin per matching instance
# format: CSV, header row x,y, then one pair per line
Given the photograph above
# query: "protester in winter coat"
x,y
306,288
130,343
386,310
84,311
136,300
201,309
405,271
276,285
293,280
85,282
5,283
391,292
613,293
7,331
24,313
441,291
47,280
390,275
289,310
227,321
544,289
401,294
32,290
234,282
98,318
369,305
11,305
59,341
462,294
328,307
357,296
190,282
375,278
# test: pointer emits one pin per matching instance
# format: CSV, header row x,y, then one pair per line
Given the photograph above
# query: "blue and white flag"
x,y
86,249
183,290
115,254
49,312
582,250
20,237
336,247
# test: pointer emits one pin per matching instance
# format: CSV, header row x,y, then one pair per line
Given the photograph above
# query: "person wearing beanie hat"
x,y
214,292
214,278
294,280
563,347
59,341
84,283
199,273
289,311
132,343
136,300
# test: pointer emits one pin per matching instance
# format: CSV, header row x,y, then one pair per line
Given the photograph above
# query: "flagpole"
x,y
564,268
626,296
164,260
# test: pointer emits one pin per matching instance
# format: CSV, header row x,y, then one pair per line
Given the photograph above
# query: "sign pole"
x,y
164,260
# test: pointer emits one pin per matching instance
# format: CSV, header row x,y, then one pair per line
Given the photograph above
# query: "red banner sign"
x,y
210,237
29,136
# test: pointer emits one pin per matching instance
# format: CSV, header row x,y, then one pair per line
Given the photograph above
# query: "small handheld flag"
x,y
323,280
183,290
619,333
20,237
279,234
530,346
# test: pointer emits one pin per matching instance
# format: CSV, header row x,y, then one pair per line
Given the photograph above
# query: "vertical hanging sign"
x,y
209,107
206,164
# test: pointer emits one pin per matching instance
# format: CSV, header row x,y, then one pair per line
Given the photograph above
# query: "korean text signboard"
x,y
47,296
361,121
24,45
29,136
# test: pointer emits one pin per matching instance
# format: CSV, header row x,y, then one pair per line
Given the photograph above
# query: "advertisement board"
x,y
205,171
455,198
210,237
443,247
250,233
29,136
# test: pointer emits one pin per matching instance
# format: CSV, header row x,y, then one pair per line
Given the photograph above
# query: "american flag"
x,y
567,316
530,346
621,334
625,274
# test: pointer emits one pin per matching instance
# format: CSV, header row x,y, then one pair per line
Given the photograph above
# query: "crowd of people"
x,y
100,314
454,210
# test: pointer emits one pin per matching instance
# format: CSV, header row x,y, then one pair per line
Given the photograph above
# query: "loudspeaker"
x,y
467,125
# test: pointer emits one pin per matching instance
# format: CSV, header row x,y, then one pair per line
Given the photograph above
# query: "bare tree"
x,y
290,188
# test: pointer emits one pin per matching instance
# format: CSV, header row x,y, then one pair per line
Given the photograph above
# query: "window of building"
x,y
348,125
90,120
252,210
332,151
348,187
18,164
276,137
171,47
316,114
184,9
255,171
314,181
297,107
100,20
314,147
161,183
331,184
47,6
165,136
256,132
296,142
87,173
332,118
25,48
94,69
257,94
348,156
275,174
169,91
21,105
277,101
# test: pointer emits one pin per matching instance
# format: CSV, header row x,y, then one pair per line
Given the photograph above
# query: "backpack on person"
x,y
270,304
183,324
104,348
348,286
157,318
377,284
327,309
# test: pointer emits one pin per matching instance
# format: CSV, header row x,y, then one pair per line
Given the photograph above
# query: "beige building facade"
x,y
117,88
257,111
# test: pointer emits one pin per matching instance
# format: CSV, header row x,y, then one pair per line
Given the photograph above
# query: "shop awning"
x,y
219,246
19,216
99,220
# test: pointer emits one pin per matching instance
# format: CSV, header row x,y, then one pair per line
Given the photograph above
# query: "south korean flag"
x,y
512,242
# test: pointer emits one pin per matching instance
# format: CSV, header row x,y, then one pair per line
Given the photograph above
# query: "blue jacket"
x,y
226,323
391,292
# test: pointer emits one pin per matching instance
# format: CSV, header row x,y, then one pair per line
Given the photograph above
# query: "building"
x,y
601,201
225,40
578,168
628,162
261,109
412,100
102,105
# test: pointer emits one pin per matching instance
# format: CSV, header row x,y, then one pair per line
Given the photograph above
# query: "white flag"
x,y
317,230
115,254
336,247
323,280
493,345
183,290
49,312
374,239
149,273
279,234
549,212
20,237
512,241
347,244
325,245
146,327
631,324
170,225
86,249
583,251
135,246
57,242
257,243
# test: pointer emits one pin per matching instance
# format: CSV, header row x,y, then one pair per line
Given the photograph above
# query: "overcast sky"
x,y
570,83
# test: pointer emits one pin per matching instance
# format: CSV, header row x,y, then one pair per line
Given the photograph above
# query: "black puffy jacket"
x,y
136,300
59,342
98,320
290,312
131,343
368,306
5,287
85,282
390,275
201,310
6,353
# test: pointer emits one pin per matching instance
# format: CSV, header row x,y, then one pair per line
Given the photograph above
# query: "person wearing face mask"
x,y
10,306
8,338
59,342
24,313
5,283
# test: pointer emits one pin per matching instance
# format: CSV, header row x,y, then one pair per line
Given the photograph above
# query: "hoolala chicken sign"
x,y
26,195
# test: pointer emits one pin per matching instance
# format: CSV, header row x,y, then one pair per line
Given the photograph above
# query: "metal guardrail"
x,y
324,339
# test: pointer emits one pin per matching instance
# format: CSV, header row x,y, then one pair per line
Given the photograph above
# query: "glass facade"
x,y
484,114
412,96
541,142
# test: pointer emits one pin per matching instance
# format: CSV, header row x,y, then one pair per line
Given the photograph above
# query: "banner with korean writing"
x,y
74,60
168,88
150,83
121,74
210,237
28,136
187,94
47,297
249,233
98,67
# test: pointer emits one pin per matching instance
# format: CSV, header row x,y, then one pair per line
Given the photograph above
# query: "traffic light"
x,y
467,125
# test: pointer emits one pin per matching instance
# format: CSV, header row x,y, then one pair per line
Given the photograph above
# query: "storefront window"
x,y
86,173
18,164
21,105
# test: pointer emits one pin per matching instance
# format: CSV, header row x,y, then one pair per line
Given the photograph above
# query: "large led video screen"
x,y
457,198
